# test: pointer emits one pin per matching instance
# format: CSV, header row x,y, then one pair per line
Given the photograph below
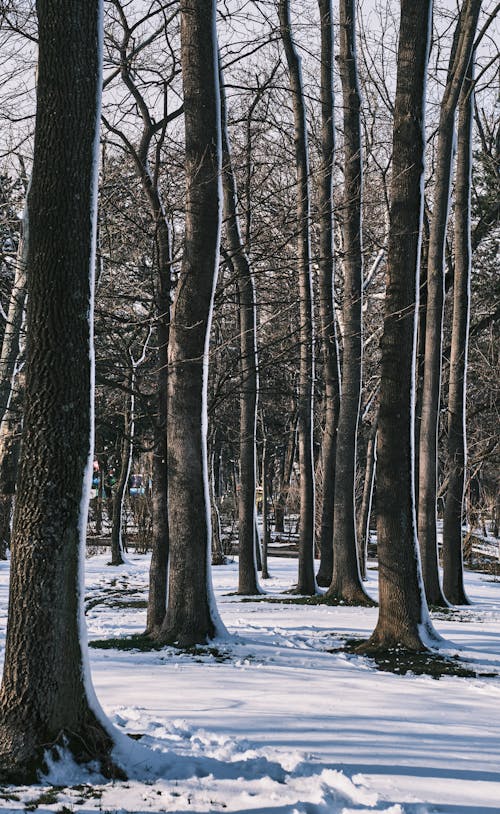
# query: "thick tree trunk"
x,y
189,618
366,500
453,581
306,581
331,372
346,582
428,454
247,570
44,699
403,617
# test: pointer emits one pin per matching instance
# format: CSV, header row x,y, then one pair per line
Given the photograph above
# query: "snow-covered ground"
x,y
269,721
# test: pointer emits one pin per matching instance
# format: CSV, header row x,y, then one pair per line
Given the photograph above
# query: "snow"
x,y
270,721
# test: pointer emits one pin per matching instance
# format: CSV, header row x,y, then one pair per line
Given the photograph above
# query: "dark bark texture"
x,y
188,619
346,581
427,491
306,580
402,605
453,580
331,372
43,698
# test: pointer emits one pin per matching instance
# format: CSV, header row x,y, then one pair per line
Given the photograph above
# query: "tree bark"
x,y
10,442
403,617
453,581
331,371
366,500
11,338
428,455
346,582
306,580
44,699
117,543
247,570
286,470
189,618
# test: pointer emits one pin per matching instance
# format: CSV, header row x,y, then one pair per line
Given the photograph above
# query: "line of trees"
x,y
207,356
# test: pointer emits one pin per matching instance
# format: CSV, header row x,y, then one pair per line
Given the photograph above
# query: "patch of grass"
x,y
10,798
319,599
400,662
48,798
285,600
138,641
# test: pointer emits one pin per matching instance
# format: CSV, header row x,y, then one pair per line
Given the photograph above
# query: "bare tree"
x,y
190,615
346,581
427,492
306,581
46,698
248,370
331,371
403,618
453,583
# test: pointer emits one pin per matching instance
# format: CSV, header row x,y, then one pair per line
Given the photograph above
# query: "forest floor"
x,y
276,717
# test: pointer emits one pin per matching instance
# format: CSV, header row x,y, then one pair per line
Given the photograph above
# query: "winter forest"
x,y
249,403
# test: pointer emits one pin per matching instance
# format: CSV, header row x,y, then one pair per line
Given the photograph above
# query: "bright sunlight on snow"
x,y
274,720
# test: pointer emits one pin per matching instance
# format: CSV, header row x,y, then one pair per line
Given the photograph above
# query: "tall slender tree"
x,y
331,371
403,617
346,581
247,570
453,582
431,388
190,611
46,697
306,580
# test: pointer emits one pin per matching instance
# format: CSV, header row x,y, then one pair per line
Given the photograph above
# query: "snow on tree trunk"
x,y
46,699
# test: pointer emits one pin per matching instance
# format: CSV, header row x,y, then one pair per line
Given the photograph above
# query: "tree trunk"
x,y
286,470
158,570
117,543
265,510
247,570
306,581
428,455
10,441
46,697
190,616
366,501
331,372
403,617
453,582
346,581
11,338
218,557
